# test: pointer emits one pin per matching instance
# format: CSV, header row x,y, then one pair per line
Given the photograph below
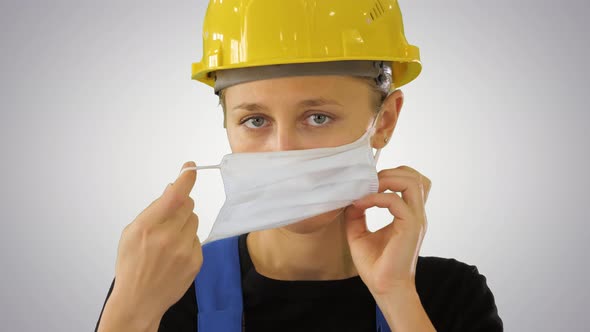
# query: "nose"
x,y
286,138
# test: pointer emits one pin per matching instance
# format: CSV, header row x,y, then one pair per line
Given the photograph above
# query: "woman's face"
x,y
294,113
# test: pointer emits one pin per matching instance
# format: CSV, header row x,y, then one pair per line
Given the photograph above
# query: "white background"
x,y
98,114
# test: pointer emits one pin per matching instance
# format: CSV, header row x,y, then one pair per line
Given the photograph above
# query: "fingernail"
x,y
185,166
189,164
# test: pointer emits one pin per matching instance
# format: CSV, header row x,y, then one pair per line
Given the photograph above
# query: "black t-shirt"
x,y
454,295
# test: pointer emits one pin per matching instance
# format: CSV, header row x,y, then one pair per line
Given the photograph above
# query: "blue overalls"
x,y
218,287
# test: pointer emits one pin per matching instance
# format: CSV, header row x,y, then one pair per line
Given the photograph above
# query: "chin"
x,y
314,224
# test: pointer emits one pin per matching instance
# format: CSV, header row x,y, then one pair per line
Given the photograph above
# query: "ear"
x,y
387,119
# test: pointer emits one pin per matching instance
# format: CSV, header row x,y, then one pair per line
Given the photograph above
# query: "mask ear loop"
x,y
372,131
376,156
198,168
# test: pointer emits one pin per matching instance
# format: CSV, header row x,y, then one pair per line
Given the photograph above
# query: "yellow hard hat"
x,y
252,33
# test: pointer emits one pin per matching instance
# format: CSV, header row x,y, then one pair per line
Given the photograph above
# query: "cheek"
x,y
239,141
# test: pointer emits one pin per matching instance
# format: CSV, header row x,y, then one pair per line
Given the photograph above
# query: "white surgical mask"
x,y
272,189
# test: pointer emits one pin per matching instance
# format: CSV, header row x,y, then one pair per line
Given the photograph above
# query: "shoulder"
x,y
429,264
441,272
456,295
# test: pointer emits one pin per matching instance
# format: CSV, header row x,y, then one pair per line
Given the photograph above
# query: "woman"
x,y
300,75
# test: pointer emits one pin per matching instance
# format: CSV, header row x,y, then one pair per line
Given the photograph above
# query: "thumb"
x,y
355,223
186,179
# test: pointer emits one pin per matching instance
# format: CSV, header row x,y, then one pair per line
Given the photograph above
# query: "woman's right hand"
x,y
159,256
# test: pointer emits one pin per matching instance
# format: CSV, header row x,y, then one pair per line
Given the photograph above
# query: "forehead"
x,y
342,89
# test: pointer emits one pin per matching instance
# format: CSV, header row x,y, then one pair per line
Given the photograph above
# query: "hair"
x,y
379,94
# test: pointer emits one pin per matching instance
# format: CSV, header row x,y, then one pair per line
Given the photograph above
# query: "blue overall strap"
x,y
218,287
381,322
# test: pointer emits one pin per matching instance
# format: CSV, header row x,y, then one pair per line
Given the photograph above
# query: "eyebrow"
x,y
254,107
318,102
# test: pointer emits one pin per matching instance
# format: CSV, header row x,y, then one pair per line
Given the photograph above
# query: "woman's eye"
x,y
254,122
318,119
315,120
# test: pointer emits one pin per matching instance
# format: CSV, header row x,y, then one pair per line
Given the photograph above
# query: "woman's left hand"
x,y
386,259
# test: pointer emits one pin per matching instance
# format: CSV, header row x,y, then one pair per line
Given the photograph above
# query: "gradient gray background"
x,y
98,114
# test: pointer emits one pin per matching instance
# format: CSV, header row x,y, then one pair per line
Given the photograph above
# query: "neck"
x,y
322,254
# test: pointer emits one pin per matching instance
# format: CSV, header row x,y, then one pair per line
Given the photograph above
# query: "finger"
x,y
167,207
198,253
171,199
355,223
189,230
179,217
160,208
411,190
176,204
395,204
400,170
410,172
186,179
406,171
